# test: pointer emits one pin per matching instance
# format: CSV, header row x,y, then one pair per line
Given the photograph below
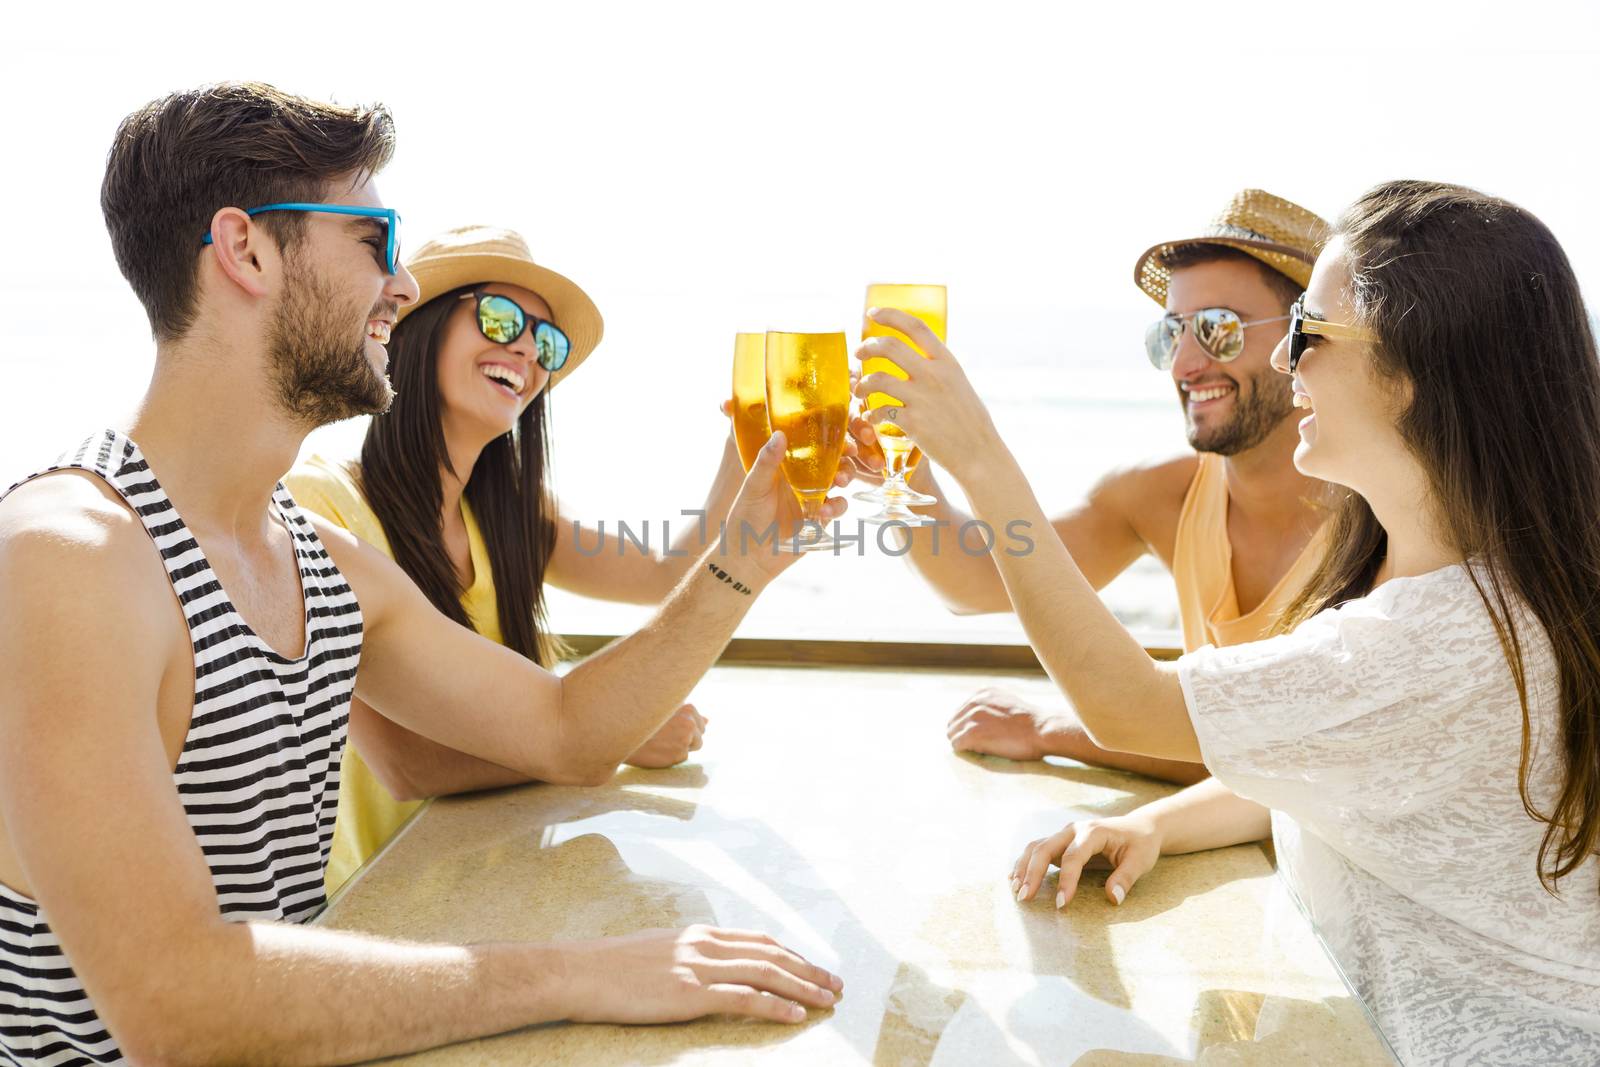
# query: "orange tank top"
x,y
1202,568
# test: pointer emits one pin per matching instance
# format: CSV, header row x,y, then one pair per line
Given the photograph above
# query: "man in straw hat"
x,y
1230,520
180,642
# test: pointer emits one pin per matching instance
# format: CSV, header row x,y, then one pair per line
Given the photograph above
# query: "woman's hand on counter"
x,y
1128,844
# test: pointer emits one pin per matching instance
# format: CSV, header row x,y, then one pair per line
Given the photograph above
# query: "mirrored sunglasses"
x,y
1218,331
502,320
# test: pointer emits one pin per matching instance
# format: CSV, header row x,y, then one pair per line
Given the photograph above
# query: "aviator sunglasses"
x,y
1301,326
1219,332
502,320
387,215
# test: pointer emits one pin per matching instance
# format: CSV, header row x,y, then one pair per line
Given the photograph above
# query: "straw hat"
x,y
1281,234
483,254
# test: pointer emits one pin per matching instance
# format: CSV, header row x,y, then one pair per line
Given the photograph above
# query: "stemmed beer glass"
x,y
900,455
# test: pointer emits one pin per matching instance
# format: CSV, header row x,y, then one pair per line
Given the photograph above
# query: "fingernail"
x,y
796,1012
1117,893
827,996
1020,891
872,313
1061,899
837,983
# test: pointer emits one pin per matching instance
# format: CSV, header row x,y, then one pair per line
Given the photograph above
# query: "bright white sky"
x,y
704,168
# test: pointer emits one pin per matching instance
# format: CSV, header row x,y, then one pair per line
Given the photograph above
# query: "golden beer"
x,y
808,400
926,302
750,430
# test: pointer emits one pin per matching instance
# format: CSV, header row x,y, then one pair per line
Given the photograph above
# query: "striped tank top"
x,y
258,775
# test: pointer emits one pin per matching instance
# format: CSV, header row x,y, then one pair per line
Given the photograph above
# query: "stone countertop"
x,y
828,810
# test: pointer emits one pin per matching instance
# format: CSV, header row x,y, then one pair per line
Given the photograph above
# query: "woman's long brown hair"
x,y
401,458
1478,311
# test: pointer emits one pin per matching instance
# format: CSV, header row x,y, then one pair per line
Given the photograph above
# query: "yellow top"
x,y
1202,568
368,814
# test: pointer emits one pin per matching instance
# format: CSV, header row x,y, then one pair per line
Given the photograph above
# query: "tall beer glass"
x,y
750,429
900,456
808,400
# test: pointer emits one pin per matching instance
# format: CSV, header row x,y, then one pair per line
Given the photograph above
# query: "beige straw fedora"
x,y
478,254
1281,234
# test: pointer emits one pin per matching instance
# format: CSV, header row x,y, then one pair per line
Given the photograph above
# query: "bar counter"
x,y
828,810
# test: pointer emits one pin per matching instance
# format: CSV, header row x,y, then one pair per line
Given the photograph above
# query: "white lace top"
x,y
1385,735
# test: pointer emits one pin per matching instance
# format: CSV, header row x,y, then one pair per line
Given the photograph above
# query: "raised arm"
x,y
94,655
1128,513
602,564
450,685
1124,699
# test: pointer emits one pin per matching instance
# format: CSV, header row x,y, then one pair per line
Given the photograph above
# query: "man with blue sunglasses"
x,y
180,643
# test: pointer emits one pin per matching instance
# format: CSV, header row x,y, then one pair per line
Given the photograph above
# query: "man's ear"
x,y
238,247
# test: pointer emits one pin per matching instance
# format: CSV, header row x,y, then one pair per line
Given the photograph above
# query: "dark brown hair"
x,y
1285,288
1477,309
179,160
401,458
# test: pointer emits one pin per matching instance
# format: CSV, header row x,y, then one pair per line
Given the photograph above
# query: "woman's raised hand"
x,y
939,409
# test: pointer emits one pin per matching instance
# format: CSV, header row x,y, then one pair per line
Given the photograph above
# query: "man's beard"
x,y
1260,404
320,376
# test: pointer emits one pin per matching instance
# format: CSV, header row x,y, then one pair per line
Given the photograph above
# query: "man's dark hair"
x,y
179,160
1285,288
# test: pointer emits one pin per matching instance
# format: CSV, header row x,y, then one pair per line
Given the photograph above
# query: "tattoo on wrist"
x,y
727,579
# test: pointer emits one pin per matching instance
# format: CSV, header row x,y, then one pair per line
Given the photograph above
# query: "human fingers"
x,y
693,730
747,944
763,477
768,977
732,998
1044,853
893,349
969,710
1088,843
1121,880
907,393
1019,869
963,740
904,415
912,327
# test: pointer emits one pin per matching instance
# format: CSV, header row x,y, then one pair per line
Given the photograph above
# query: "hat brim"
x,y
570,306
1150,275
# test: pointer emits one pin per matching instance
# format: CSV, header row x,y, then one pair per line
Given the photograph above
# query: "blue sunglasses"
x,y
391,254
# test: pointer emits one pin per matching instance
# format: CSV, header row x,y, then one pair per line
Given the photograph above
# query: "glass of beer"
x,y
808,400
900,455
750,429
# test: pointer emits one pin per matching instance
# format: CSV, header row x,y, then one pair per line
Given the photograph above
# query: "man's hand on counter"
x,y
662,976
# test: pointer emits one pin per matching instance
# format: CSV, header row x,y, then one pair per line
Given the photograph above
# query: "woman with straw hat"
x,y
452,484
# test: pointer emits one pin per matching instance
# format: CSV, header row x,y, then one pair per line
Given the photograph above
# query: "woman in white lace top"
x,y
1422,740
